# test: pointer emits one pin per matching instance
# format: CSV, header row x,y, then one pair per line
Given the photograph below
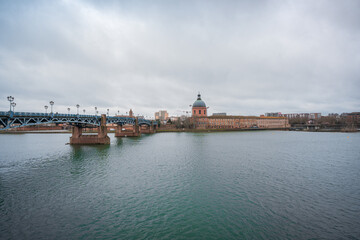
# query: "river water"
x,y
229,185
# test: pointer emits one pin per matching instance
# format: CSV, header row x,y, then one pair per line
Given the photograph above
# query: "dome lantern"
x,y
199,107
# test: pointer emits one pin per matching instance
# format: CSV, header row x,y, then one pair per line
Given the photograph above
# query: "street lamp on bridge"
x,y
77,106
13,104
51,104
95,111
68,110
108,112
46,107
84,111
10,99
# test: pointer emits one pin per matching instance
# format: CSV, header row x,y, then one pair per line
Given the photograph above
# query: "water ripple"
x,y
236,185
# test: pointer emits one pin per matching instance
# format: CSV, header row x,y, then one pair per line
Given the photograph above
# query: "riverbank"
x,y
49,132
219,130
181,130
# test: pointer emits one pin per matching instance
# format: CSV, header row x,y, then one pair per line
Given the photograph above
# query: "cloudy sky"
x,y
245,57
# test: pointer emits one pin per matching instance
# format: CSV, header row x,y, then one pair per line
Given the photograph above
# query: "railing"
x,y
12,119
33,114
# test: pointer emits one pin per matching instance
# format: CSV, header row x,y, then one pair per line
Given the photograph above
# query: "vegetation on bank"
x,y
335,123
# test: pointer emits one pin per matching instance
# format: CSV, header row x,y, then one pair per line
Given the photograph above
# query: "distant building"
x,y
273,114
354,118
200,120
162,115
199,108
334,115
314,116
174,119
219,114
241,122
303,115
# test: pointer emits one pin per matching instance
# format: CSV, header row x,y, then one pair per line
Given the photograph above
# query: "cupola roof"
x,y
199,102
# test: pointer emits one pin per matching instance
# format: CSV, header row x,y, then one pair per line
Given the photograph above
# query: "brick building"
x,y
199,108
241,122
200,120
353,118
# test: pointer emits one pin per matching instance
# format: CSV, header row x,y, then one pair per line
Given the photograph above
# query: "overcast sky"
x,y
245,57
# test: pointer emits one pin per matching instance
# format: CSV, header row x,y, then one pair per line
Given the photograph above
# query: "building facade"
x,y
309,116
240,122
162,115
200,120
199,108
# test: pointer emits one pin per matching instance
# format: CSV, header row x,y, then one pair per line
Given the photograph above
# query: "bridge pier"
x,y
148,129
101,138
135,132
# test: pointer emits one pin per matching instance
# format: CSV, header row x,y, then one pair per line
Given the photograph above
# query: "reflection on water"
x,y
232,185
119,141
79,152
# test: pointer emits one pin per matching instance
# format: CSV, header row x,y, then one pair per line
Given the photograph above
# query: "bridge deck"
x,y
21,119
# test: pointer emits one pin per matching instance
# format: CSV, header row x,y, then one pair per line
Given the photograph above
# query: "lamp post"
x,y
95,111
46,107
13,104
84,111
68,110
10,99
108,112
77,106
118,113
194,118
51,104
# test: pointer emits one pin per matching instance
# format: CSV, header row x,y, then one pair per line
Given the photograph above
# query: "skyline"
x,y
244,58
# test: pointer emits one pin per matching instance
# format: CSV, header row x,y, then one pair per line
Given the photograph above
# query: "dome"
x,y
199,102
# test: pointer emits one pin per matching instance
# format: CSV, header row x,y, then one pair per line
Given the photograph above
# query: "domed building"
x,y
199,108
200,120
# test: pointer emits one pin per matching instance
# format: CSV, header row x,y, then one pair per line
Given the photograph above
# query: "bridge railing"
x,y
35,114
55,117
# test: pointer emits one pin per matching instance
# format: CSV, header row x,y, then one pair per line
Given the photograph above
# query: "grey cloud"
x,y
245,57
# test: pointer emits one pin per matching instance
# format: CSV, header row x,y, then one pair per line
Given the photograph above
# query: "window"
x,y
194,112
199,111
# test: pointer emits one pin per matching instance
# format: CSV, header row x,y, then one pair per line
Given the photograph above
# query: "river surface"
x,y
230,185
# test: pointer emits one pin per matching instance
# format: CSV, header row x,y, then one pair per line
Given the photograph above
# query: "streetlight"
x,y
84,111
95,111
118,112
68,111
10,99
46,107
51,104
13,105
108,112
77,106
